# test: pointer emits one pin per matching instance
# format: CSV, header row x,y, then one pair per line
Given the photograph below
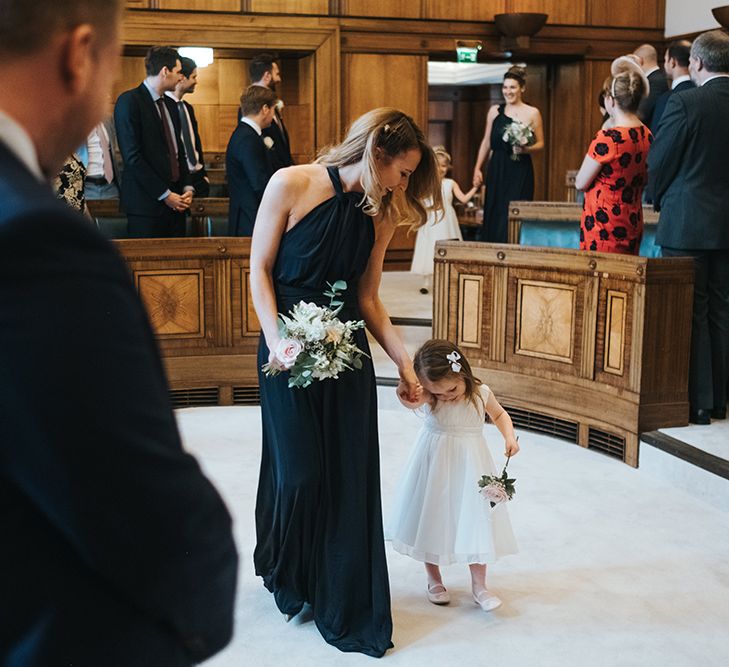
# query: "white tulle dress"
x,y
439,516
437,228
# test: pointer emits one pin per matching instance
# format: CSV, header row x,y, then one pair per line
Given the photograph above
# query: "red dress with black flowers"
x,y
612,215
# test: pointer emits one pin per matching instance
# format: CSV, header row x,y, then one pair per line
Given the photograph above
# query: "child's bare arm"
x,y
502,421
425,397
459,194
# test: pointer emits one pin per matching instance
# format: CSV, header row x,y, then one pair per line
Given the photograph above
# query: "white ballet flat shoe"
x,y
487,601
288,617
438,597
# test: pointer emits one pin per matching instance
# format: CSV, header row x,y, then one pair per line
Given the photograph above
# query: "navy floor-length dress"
x,y
506,180
318,511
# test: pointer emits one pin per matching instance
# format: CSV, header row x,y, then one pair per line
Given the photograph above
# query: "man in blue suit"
x,y
156,186
676,67
248,160
687,170
116,550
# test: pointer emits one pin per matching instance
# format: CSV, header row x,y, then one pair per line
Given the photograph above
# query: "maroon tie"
x,y
171,146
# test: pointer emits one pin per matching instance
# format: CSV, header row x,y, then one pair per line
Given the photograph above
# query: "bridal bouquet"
x,y
315,344
497,489
518,134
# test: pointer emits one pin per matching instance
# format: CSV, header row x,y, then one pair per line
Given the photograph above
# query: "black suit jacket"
x,y
280,153
248,168
116,550
687,169
663,99
658,86
141,138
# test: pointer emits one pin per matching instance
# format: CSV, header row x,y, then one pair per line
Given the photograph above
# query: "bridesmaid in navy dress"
x,y
507,179
318,512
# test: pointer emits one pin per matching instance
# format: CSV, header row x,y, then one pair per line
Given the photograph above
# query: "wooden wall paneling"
x,y
537,94
570,12
627,13
564,133
288,6
136,4
201,5
402,9
328,82
465,10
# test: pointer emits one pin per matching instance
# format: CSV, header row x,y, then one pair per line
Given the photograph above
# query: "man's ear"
x,y
78,58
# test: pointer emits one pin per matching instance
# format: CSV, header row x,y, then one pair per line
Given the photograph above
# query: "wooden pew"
x,y
593,347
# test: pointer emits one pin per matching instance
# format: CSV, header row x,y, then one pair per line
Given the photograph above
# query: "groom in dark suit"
x,y
156,187
116,550
687,167
247,159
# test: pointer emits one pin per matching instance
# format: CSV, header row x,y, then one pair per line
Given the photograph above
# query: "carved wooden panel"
x,y
559,11
174,300
470,308
289,6
615,320
201,5
627,13
407,9
136,4
250,324
465,10
545,320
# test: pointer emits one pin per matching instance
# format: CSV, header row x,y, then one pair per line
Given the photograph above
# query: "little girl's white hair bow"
x,y
453,357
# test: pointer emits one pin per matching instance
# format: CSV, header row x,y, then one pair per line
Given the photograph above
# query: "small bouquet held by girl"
x,y
438,517
518,135
497,489
315,344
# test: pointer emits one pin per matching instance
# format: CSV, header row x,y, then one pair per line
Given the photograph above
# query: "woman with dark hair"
x,y
318,511
614,171
509,173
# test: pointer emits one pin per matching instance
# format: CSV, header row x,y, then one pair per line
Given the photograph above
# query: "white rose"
x,y
287,350
495,493
334,334
279,105
268,142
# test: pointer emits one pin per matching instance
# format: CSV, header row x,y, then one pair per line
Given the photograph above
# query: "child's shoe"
x,y
437,596
487,600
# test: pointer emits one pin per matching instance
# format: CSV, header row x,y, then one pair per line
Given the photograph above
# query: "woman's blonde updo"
x,y
393,132
627,85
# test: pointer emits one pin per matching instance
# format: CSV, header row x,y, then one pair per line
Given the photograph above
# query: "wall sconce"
x,y
517,28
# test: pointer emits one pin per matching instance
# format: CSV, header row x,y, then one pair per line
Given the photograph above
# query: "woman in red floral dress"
x,y
613,173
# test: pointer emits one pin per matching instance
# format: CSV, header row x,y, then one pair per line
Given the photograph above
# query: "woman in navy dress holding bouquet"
x,y
318,511
513,132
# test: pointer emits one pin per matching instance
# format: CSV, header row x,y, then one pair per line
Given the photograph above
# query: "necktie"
x,y
106,162
279,121
171,145
187,136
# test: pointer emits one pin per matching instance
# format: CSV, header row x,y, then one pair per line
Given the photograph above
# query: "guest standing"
x,y
318,512
68,184
690,182
103,174
509,172
156,190
613,173
117,551
647,58
676,67
265,71
248,159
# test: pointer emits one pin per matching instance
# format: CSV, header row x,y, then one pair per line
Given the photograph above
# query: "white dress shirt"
x,y
18,141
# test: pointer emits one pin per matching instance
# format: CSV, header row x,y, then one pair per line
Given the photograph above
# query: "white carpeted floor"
x,y
616,567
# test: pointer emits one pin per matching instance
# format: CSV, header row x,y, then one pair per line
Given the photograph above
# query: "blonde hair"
x,y
442,154
627,84
392,132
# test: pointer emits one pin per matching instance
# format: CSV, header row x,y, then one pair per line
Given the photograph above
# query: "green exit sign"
x,y
467,54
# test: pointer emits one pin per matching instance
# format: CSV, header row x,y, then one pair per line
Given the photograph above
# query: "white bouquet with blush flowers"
x,y
497,489
518,134
315,344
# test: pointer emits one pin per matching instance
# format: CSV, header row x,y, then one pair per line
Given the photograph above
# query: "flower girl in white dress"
x,y
439,516
441,225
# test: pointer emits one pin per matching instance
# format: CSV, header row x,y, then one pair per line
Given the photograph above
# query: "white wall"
x,y
684,16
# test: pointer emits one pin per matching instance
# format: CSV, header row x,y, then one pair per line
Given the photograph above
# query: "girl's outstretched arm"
x,y
460,196
502,421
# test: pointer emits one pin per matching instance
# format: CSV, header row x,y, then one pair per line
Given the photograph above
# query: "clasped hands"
x,y
179,202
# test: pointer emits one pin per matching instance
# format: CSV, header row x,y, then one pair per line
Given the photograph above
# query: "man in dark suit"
x,y
264,71
648,58
116,550
676,67
156,188
247,161
189,135
687,167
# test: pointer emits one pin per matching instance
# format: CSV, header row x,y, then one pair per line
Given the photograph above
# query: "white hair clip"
x,y
386,129
453,357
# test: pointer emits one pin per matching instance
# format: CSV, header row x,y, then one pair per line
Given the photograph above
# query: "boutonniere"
x,y
268,142
279,105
